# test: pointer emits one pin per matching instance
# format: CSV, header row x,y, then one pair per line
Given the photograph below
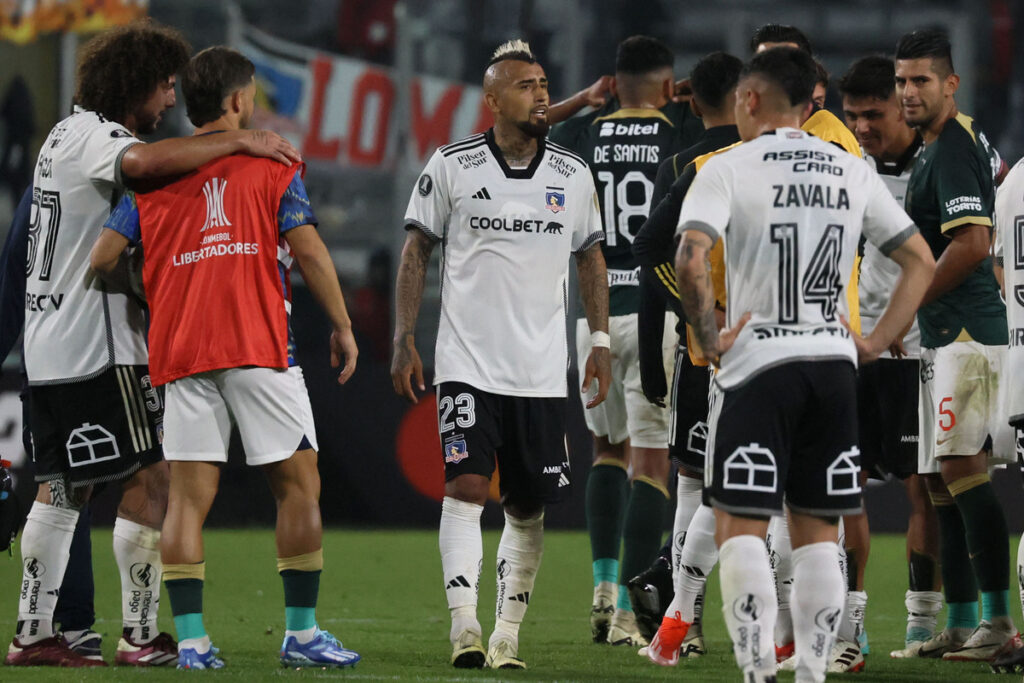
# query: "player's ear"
x,y
491,100
613,87
695,108
951,84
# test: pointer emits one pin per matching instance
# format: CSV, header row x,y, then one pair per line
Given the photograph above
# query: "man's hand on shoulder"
x,y
266,143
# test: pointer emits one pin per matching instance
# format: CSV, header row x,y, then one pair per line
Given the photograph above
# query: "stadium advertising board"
x,y
345,110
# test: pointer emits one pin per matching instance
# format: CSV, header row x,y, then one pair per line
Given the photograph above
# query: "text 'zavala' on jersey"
x,y
506,235
790,210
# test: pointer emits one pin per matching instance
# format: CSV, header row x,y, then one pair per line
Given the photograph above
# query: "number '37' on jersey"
x,y
506,236
790,210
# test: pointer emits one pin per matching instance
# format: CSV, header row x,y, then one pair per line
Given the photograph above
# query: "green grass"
x,y
381,594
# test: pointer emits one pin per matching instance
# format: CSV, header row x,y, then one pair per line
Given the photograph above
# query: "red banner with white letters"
x,y
343,110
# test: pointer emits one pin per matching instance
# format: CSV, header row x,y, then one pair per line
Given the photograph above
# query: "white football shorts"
x,y
627,412
270,406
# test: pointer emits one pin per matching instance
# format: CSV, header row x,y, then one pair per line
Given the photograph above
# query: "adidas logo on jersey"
x,y
458,582
609,128
482,193
523,597
563,480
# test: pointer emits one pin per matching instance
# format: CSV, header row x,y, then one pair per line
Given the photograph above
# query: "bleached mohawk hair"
x,y
517,49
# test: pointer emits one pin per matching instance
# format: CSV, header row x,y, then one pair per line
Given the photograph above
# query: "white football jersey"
x,y
1010,231
506,236
879,273
790,209
74,327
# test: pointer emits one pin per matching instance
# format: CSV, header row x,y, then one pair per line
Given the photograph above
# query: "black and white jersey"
x,y
878,273
506,235
1010,234
790,210
74,327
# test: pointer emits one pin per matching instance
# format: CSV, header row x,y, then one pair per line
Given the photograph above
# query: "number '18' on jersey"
x,y
790,210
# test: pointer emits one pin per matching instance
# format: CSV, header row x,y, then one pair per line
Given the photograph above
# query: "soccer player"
x,y
219,246
787,362
963,334
887,391
1010,248
94,413
713,81
624,149
74,610
508,208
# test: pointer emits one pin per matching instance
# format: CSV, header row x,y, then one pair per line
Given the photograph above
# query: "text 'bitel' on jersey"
x,y
1010,236
624,150
953,184
790,210
217,265
879,273
506,236
75,326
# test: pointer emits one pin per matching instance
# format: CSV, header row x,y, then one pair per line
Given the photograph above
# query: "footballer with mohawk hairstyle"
x,y
507,208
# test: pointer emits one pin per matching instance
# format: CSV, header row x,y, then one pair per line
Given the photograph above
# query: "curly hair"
x,y
119,69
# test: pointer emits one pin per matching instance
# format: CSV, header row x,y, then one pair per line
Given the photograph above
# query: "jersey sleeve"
x,y
707,205
886,225
104,148
295,209
588,230
430,205
124,219
960,183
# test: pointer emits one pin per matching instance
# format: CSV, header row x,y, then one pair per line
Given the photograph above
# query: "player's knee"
x,y
522,508
469,488
61,494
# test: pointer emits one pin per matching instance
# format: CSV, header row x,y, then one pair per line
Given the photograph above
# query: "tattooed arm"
x,y
593,278
693,271
412,275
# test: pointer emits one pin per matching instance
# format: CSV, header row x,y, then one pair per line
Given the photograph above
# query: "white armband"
x,y
601,339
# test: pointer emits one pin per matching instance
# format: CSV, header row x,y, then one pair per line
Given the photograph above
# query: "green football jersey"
x,y
952,185
624,148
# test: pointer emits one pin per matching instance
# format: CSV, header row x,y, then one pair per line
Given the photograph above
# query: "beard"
x,y
146,123
534,130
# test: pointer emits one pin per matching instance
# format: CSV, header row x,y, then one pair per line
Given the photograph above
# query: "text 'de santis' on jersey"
x,y
790,209
76,326
506,236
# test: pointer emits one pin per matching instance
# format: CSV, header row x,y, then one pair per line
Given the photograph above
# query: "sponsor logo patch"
x,y
554,199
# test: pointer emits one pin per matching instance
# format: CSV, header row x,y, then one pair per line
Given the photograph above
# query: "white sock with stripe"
x,y
45,546
137,551
519,555
462,553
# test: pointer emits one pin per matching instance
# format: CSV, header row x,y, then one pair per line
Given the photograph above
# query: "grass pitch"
x,y
381,594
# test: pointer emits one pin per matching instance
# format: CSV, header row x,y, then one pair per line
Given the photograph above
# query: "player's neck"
x,y
930,133
226,122
516,146
774,122
898,148
717,120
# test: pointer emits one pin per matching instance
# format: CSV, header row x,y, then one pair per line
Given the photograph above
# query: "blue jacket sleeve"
x,y
12,276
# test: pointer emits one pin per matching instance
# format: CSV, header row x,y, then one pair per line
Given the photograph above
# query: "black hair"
x,y
822,74
780,33
209,77
119,69
928,42
789,68
638,55
872,76
714,77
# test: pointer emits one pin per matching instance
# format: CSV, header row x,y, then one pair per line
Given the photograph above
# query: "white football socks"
x,y
923,608
45,546
852,623
688,497
462,553
137,552
817,600
698,558
519,555
749,605
780,551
